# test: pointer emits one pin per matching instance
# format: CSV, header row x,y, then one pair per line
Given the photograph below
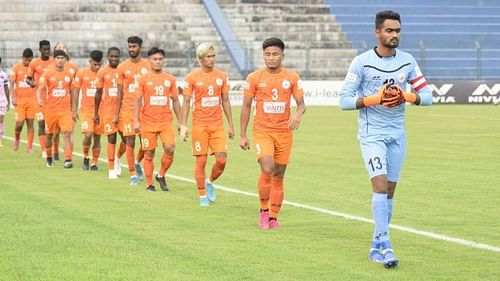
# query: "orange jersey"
x,y
130,72
157,90
86,82
108,79
38,67
272,93
207,90
58,85
69,66
22,91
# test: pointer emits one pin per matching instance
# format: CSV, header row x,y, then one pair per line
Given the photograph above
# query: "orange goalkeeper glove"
x,y
375,99
406,97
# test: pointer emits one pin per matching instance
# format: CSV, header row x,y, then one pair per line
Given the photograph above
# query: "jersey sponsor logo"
x,y
158,100
58,93
91,92
218,81
209,101
285,84
113,92
351,77
199,83
273,107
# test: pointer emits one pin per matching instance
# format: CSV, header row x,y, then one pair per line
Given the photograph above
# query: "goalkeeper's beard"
x,y
392,44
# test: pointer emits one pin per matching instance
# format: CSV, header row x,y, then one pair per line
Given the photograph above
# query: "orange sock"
x,y
86,151
48,150
140,156
111,156
55,147
96,151
166,162
121,150
277,195
199,174
129,152
31,136
218,168
264,187
68,151
43,140
148,169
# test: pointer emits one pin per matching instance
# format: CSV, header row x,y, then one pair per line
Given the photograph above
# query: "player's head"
x,y
27,56
44,47
156,58
62,47
388,28
95,60
60,58
134,44
206,55
113,57
273,53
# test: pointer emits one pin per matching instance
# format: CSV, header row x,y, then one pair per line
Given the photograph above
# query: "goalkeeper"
x,y
375,84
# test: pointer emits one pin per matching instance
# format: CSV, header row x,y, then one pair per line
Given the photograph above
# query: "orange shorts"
x,y
55,120
166,133
276,145
25,109
204,137
126,124
88,125
107,125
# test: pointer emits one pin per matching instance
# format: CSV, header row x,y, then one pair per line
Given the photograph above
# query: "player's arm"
x,y
97,103
177,108
7,93
226,106
423,93
119,98
39,92
186,105
75,96
137,109
349,99
244,118
12,86
294,121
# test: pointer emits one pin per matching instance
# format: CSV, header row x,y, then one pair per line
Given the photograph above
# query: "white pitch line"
x,y
424,233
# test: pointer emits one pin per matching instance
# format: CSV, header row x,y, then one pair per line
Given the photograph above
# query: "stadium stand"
x,y
451,39
178,26
316,46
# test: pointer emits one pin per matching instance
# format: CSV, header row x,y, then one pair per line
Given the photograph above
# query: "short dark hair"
x,y
135,40
96,55
156,50
113,49
61,53
43,43
386,15
276,42
28,53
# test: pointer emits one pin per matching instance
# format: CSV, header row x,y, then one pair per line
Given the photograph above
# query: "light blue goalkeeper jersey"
x,y
367,73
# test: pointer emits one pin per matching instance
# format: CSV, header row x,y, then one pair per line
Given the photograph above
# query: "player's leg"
x,y
55,143
122,148
167,137
111,154
138,159
42,139
65,127
126,125
217,144
86,143
20,117
199,145
96,150
49,123
148,140
264,149
30,117
1,128
282,150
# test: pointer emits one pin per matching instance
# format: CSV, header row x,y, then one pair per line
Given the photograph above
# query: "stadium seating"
x,y
450,39
316,46
178,26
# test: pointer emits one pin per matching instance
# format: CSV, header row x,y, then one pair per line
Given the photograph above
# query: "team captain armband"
x,y
418,83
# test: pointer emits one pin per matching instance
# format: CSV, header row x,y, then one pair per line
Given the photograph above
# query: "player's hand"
x,y
30,82
96,119
375,99
39,102
244,143
115,120
137,127
294,121
393,96
231,133
75,117
183,133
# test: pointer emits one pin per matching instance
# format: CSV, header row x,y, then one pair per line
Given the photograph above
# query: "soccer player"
x,y
272,88
130,71
368,86
209,86
73,69
153,116
105,104
23,99
86,82
38,66
4,99
55,85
